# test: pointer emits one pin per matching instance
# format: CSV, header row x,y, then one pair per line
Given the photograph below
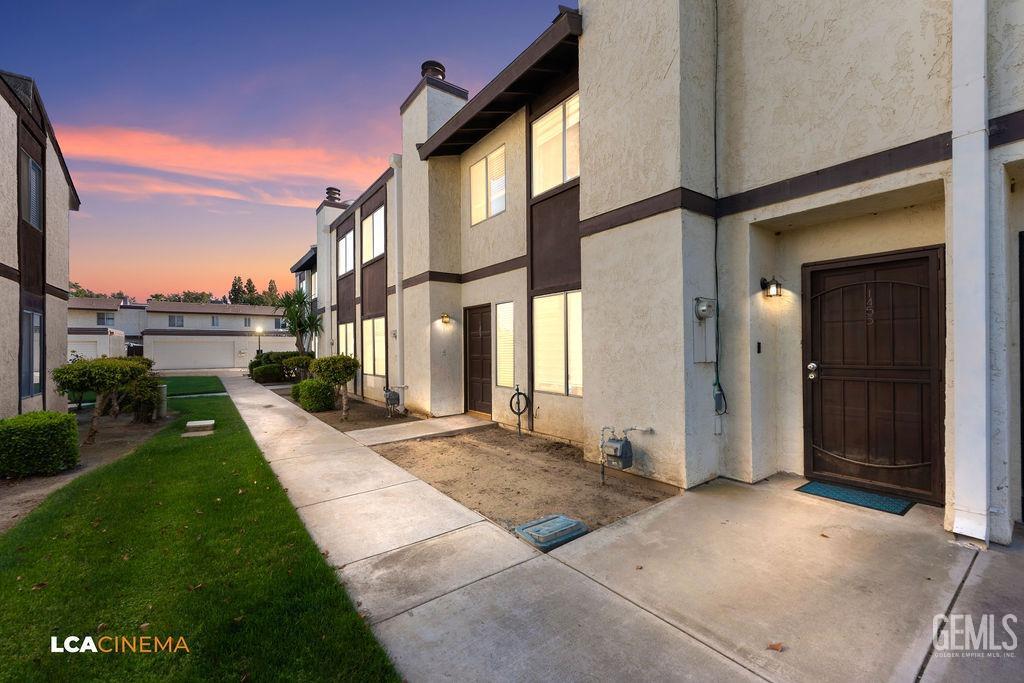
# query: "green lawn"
x,y
195,538
179,386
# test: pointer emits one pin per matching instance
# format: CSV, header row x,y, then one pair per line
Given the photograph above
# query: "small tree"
x,y
299,317
337,371
107,377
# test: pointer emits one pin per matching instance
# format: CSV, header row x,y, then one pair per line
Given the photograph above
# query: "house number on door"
x,y
869,305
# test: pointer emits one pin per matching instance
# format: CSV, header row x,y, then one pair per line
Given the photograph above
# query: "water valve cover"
x,y
547,533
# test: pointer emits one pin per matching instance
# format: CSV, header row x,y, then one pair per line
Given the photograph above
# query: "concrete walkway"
x,y
435,426
449,594
694,588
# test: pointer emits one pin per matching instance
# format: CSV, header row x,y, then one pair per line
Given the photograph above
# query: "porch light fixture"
x,y
771,287
445,318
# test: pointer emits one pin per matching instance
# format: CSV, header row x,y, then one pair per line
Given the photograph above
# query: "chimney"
x,y
333,194
432,68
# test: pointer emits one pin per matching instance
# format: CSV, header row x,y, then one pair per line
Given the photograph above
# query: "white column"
x,y
968,283
396,163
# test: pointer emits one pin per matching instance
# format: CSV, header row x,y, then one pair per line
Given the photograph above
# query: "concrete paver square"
x,y
387,584
365,524
849,592
542,621
324,476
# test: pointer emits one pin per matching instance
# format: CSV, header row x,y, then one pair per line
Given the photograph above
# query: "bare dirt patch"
x,y
513,480
360,415
116,439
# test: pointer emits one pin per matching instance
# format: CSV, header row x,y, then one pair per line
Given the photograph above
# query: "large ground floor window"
x,y
558,343
347,339
31,353
374,342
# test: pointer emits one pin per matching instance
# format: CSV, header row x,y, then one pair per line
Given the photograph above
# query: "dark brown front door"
x,y
873,351
478,358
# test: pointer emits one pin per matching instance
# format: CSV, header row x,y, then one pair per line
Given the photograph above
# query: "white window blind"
x,y
373,235
574,341
346,255
374,359
478,191
505,344
496,181
549,343
347,339
556,146
572,137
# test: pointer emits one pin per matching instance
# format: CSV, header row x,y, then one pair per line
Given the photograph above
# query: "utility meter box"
x,y
618,453
705,333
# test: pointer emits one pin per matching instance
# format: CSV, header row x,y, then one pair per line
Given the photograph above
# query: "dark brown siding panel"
x,y
1006,129
374,202
375,288
555,245
347,298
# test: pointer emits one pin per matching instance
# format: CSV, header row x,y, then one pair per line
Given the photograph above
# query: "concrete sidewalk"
x,y
403,431
693,588
450,594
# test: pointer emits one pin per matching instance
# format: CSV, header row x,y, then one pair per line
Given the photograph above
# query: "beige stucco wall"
x,y
630,128
501,237
1005,56
56,348
807,84
8,186
1014,203
207,352
9,307
57,225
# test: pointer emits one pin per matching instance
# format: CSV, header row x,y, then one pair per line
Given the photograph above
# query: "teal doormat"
x,y
865,499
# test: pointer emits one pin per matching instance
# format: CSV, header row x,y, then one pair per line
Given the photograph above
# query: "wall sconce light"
x,y
445,318
771,287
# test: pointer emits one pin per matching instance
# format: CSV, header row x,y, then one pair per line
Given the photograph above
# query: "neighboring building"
x,y
781,238
36,193
306,281
177,336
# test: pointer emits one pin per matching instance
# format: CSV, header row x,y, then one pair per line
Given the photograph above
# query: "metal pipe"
x,y
396,163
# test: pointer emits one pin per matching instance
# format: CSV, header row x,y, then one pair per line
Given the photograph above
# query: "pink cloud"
x,y
221,161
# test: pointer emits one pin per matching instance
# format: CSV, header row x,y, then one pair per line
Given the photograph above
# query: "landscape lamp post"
x,y
259,341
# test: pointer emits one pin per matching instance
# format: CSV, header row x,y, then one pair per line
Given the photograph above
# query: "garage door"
x,y
193,355
85,349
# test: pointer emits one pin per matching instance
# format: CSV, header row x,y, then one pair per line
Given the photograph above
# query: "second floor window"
x,y
31,191
278,323
312,285
175,321
346,253
487,186
556,146
214,321
247,322
373,235
105,319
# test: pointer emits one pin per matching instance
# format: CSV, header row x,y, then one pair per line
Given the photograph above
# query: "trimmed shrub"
x,y
297,367
38,443
268,373
316,396
337,371
273,358
296,391
142,397
107,377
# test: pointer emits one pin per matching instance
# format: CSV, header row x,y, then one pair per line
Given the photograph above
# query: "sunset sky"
x,y
201,135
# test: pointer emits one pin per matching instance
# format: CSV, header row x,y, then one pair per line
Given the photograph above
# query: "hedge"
x,y
316,396
38,443
296,391
268,373
273,358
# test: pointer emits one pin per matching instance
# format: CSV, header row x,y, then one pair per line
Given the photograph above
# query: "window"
x,y
347,339
214,321
300,281
31,191
558,343
556,146
487,186
175,321
312,285
346,253
278,324
31,353
247,322
373,235
105,319
374,352
504,315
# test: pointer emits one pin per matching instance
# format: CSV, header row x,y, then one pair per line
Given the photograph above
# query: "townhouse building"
x,y
36,195
773,238
175,335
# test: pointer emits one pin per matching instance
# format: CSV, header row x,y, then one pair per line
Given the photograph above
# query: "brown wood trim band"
x,y
678,198
57,292
920,153
10,272
456,278
1005,129
89,330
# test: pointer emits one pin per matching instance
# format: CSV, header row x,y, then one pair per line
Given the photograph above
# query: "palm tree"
x,y
299,318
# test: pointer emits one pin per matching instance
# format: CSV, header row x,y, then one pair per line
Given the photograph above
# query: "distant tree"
x,y
192,297
80,291
159,297
237,292
121,295
252,295
271,297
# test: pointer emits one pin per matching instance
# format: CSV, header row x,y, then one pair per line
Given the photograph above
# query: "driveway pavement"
x,y
697,587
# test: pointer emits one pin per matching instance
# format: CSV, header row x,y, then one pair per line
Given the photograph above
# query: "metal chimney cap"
x,y
333,194
432,68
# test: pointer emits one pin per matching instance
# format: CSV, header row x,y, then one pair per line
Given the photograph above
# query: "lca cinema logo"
x,y
975,636
125,645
